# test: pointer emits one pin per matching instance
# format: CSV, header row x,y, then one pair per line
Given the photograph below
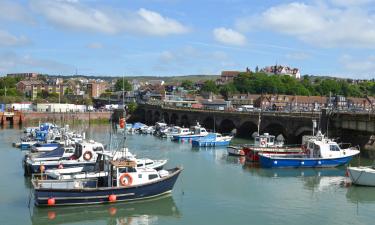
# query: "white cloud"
x,y
95,45
318,24
77,16
13,11
229,36
8,39
364,66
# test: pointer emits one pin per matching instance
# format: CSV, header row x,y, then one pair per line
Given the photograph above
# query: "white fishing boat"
x,y
362,175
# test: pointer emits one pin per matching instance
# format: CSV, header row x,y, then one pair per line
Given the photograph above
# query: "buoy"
x,y
60,166
51,215
51,201
112,211
112,198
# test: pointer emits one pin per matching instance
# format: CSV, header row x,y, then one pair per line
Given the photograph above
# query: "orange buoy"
x,y
112,198
112,211
51,215
51,201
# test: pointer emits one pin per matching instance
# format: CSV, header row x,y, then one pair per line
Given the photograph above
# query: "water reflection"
x,y
358,194
145,213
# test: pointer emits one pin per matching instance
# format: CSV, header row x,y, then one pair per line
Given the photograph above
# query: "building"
x,y
282,70
96,88
155,82
227,77
30,87
359,103
243,99
24,76
215,104
55,107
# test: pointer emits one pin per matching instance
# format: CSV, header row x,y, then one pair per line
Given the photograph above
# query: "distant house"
x,y
282,70
155,82
30,87
359,103
24,76
243,99
96,88
227,77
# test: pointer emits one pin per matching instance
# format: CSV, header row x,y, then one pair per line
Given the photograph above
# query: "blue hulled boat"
x,y
197,132
319,152
212,140
124,182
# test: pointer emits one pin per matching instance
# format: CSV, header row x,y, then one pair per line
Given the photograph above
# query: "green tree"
x,y
187,84
227,89
120,83
132,107
210,86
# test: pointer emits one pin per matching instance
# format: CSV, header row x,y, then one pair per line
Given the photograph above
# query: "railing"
x,y
42,181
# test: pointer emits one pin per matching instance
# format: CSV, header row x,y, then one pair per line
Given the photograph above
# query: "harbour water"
x,y
214,188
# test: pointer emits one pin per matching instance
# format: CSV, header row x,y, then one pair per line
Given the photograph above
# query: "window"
x,y
140,176
139,165
152,176
257,139
334,148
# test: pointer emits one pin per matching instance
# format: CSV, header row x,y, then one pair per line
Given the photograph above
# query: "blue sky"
x,y
180,37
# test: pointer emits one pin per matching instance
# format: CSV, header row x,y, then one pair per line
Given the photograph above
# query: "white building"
x,y
22,106
55,107
282,70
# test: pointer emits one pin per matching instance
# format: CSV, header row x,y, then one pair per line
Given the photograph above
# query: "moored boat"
x,y
320,152
362,175
212,140
196,132
123,183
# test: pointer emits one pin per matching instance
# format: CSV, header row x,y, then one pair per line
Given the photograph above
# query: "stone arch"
x,y
165,117
226,126
300,132
149,117
174,119
209,123
156,117
275,129
142,115
185,121
246,129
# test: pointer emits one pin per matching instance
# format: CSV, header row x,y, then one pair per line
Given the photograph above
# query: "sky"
x,y
184,37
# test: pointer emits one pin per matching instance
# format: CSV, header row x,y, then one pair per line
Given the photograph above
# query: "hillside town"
x,y
43,93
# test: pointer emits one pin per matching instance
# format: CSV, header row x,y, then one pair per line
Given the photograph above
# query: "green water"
x,y
214,188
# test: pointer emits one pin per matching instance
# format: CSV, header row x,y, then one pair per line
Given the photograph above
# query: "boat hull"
x,y
235,151
278,162
197,143
363,176
252,154
101,195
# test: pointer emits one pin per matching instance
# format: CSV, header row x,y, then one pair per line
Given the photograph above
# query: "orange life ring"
x,y
87,156
263,142
126,179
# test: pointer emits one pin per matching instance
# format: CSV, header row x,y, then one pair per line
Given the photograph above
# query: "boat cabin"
x,y
267,140
126,173
321,147
87,151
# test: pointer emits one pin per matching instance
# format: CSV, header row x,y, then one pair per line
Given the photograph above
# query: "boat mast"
x,y
259,119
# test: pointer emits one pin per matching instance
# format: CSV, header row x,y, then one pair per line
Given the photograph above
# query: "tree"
x,y
120,83
210,86
132,107
227,89
187,84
